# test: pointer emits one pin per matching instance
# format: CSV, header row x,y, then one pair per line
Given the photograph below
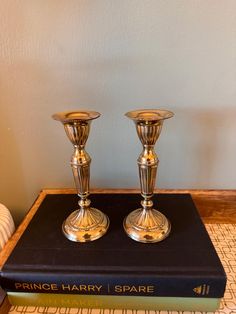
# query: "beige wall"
x,y
114,56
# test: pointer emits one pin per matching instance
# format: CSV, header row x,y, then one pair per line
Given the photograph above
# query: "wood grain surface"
x,y
5,306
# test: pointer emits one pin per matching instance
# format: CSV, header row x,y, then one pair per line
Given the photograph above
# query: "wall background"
x,y
114,56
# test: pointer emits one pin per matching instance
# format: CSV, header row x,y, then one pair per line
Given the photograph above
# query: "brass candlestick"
x,y
86,223
147,224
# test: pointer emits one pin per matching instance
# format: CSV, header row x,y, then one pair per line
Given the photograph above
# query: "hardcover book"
x,y
113,302
183,265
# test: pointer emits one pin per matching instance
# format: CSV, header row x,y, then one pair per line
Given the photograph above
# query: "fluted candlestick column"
x,y
86,223
147,224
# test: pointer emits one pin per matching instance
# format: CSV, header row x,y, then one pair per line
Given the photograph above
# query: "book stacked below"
x,y
181,273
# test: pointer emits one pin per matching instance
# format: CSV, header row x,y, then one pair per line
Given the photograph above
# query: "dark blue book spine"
x,y
212,286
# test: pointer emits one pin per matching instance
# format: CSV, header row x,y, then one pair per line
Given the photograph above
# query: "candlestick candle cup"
x,y
86,223
147,224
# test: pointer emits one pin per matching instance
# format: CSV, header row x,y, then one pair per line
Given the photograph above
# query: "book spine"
x,y
114,302
104,284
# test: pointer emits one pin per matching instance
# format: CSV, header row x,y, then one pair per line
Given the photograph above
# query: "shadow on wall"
x,y
12,187
210,134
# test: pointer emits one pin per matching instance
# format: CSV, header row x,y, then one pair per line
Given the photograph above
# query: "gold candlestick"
x,y
86,223
146,224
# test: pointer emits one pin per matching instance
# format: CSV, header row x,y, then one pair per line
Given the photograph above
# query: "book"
x,y
113,302
183,265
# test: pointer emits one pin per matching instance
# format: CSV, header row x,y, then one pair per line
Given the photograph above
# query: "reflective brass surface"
x,y
147,224
86,223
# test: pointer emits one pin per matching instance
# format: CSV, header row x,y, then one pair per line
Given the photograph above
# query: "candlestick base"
x,y
85,225
147,226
